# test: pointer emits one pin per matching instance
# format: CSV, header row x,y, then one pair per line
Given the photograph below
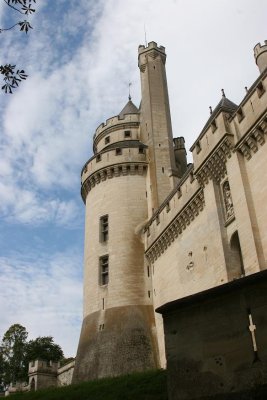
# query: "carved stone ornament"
x,y
228,202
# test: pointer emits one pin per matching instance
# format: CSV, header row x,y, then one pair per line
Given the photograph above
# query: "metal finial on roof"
x,y
210,110
129,97
223,94
246,88
145,34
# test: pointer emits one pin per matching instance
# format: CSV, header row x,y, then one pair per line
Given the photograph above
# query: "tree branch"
x,y
14,8
7,29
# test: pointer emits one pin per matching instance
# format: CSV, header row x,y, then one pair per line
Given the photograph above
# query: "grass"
x,y
149,385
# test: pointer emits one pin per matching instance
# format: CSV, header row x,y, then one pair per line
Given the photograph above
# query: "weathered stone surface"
x,y
126,344
209,342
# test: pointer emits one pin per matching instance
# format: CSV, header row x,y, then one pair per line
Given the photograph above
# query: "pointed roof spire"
x,y
129,108
129,97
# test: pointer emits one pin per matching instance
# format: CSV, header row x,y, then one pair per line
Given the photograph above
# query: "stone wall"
x,y
216,341
65,373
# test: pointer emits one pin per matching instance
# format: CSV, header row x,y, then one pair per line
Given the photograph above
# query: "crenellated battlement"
x,y
259,48
150,46
153,51
260,54
113,122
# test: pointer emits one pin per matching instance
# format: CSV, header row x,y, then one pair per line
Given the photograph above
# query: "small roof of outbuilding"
x,y
129,108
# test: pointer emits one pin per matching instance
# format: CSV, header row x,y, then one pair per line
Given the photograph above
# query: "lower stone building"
x,y
43,374
216,341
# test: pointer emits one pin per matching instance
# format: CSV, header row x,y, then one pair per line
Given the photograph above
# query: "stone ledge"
x,y
178,224
215,165
253,139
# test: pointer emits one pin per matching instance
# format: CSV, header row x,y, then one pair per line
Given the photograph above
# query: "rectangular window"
x,y
141,150
213,126
240,114
104,228
198,147
118,151
103,265
260,89
127,134
98,158
107,139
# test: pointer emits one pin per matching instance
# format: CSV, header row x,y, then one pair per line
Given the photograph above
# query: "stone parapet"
x,y
112,157
111,171
114,123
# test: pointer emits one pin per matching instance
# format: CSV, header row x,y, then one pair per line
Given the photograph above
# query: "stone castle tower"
x,y
185,241
130,174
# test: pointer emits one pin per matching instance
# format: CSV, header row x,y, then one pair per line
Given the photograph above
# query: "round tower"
x,y
118,333
260,54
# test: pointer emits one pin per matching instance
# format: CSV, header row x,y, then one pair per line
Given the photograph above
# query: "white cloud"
x,y
44,294
26,207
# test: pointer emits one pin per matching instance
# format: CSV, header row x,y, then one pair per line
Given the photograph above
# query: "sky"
x,y
80,57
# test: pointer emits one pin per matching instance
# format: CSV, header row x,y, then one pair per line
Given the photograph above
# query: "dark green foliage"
x,y
13,353
140,386
11,77
44,348
16,353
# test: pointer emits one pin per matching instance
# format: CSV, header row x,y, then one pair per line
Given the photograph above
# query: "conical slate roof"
x,y
130,108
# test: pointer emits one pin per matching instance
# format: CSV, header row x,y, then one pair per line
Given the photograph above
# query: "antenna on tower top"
x,y
145,34
130,84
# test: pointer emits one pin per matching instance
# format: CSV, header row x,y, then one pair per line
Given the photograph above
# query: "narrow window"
x,y
118,151
162,168
107,140
157,219
213,126
98,158
198,147
168,207
240,114
260,89
148,293
103,304
148,272
141,150
127,134
103,261
104,228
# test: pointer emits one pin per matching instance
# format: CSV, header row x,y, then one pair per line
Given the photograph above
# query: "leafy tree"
x,y
16,353
12,76
44,348
13,352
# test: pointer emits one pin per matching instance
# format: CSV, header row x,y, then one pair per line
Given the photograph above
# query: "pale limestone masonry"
x,y
157,230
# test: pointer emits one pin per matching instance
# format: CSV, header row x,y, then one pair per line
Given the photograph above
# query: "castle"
x,y
188,241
